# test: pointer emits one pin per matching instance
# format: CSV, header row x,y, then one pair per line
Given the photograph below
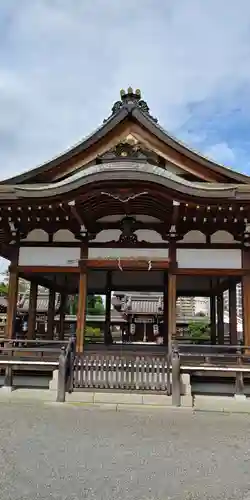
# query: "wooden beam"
x,y
210,272
32,270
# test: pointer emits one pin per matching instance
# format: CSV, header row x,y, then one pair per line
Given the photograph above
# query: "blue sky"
x,y
63,62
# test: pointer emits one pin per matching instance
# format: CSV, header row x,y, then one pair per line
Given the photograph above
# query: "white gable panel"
x,y
37,235
209,258
194,237
131,252
46,256
222,237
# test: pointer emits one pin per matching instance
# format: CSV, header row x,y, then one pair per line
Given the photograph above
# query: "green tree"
x,y
95,305
3,288
199,331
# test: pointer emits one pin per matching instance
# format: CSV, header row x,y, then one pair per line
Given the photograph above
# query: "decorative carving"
x,y
130,149
128,196
132,97
128,228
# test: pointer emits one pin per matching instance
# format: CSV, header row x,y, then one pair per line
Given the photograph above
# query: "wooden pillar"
x,y
246,309
165,309
31,334
213,319
63,305
82,301
233,314
171,309
12,301
246,295
220,318
107,333
51,314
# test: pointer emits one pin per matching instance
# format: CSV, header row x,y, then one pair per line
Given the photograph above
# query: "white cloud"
x,y
221,153
63,63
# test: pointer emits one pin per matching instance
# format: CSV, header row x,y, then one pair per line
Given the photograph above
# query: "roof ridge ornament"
x,y
132,97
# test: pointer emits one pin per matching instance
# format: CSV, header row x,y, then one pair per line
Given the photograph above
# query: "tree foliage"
x,y
95,305
199,331
3,288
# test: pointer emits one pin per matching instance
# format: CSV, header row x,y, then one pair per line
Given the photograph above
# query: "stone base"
x,y
54,381
187,401
240,397
6,389
119,398
222,404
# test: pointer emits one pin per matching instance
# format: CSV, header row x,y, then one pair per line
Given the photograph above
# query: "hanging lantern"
x,y
155,330
132,328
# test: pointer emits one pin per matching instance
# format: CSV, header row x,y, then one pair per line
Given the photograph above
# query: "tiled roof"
x,y
42,303
150,303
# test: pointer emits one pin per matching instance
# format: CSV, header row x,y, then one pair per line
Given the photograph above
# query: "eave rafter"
x,y
20,219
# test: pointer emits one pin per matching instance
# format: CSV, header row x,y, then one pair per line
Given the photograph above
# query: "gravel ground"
x,y
75,452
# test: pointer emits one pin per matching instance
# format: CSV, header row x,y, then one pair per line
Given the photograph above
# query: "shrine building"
x,y
129,208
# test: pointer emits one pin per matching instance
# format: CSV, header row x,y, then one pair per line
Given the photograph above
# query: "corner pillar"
x,y
31,334
213,319
82,301
220,318
165,309
63,305
233,314
246,295
51,314
171,310
12,301
107,332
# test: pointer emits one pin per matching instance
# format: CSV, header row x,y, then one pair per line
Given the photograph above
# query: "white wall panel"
x,y
188,258
140,253
47,256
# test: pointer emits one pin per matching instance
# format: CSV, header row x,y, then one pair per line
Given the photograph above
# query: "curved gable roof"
x,y
132,108
129,171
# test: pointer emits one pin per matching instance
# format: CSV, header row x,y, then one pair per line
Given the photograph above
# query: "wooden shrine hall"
x,y
129,208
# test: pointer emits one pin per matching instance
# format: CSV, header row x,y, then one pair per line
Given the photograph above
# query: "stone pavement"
x,y
51,451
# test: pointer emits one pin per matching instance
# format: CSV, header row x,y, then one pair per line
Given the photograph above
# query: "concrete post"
x,y
176,378
61,387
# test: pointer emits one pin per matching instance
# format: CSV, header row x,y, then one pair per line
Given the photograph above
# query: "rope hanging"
x,y
119,264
